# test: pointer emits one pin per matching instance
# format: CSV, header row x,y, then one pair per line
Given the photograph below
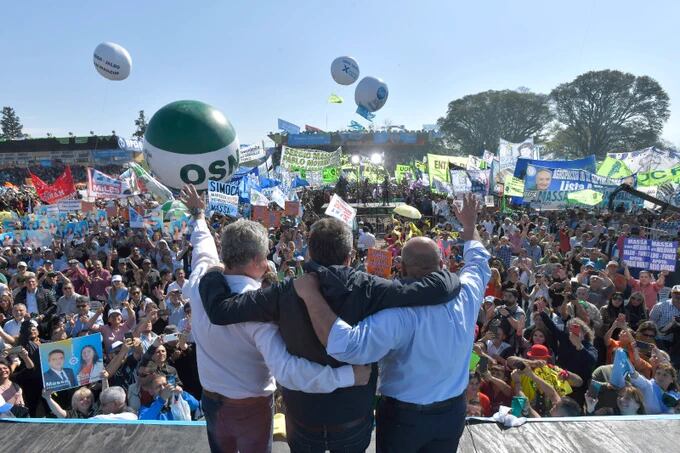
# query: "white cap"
x,y
22,263
117,278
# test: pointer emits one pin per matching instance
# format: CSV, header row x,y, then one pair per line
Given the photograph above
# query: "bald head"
x,y
420,256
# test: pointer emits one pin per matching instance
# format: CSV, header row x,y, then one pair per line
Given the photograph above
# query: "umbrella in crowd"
x,y
408,211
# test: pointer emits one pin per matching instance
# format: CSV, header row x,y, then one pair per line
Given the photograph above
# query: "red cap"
x,y
538,352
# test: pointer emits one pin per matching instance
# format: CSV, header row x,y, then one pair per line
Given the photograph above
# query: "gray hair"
x,y
114,395
243,241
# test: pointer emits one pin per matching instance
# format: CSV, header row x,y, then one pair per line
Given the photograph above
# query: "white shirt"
x,y
366,241
235,361
31,303
175,286
121,416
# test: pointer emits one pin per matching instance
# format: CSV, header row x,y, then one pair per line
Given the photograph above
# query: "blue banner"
x,y
309,139
288,127
650,255
585,163
547,188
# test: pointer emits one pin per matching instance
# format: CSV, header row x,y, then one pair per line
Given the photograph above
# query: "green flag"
x,y
400,171
330,175
588,197
658,177
613,168
335,99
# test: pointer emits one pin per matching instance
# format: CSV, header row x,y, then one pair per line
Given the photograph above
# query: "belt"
x,y
236,402
421,407
332,428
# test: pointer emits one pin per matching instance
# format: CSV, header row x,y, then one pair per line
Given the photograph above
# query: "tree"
x,y
10,124
477,122
140,123
602,111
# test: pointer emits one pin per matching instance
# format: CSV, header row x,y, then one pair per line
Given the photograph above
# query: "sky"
x,y
260,60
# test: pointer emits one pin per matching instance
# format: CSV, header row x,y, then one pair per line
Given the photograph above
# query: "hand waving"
x,y
190,197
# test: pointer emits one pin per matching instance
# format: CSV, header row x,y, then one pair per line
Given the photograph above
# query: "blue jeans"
x,y
243,426
352,440
404,430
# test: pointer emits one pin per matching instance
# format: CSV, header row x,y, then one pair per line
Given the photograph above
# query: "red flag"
x,y
62,188
309,128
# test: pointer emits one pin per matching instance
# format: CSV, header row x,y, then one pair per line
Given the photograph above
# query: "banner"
x,y
586,197
293,159
438,167
102,185
488,157
401,171
650,255
548,188
508,153
249,153
480,181
308,139
260,214
63,187
288,127
658,177
585,163
339,209
513,187
379,262
71,363
220,200
292,208
648,159
69,205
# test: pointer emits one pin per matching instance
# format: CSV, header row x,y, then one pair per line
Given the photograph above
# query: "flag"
x,y
363,111
587,197
414,231
288,127
136,219
309,128
613,168
335,99
148,183
102,185
63,187
353,125
257,198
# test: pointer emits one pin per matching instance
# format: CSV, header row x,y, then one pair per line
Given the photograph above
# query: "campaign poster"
x,y
72,362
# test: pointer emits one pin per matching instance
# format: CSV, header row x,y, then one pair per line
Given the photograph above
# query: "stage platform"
x,y
568,435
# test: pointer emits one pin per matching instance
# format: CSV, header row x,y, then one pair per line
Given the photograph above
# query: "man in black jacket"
x,y
342,420
38,301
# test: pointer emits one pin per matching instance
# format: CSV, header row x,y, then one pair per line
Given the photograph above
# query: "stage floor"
x,y
584,434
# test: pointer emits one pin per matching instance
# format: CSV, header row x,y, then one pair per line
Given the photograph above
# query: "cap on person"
x,y
146,261
490,299
538,352
612,263
48,262
21,264
589,264
116,278
115,311
675,289
73,261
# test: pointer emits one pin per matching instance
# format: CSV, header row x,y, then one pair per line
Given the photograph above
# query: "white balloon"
x,y
112,61
371,93
345,70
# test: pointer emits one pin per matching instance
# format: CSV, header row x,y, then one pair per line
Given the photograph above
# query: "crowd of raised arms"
x,y
564,321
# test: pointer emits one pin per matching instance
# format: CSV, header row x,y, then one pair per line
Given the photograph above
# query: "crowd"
x,y
565,327
17,176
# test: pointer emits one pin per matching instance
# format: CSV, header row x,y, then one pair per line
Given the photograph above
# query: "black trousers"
x,y
402,429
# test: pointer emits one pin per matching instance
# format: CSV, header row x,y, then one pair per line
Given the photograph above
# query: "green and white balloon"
x,y
191,142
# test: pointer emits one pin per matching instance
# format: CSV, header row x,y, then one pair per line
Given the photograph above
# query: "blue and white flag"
x,y
288,127
363,111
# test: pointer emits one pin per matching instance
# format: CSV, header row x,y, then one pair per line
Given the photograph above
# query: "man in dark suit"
x,y
38,301
57,377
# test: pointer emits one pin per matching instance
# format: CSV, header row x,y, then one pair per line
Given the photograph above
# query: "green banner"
x,y
658,177
401,170
513,187
330,175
